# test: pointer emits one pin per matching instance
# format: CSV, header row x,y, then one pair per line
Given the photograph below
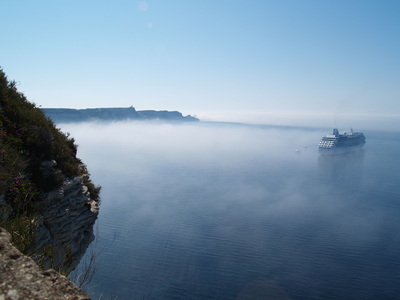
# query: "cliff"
x,y
48,202
68,115
67,217
22,278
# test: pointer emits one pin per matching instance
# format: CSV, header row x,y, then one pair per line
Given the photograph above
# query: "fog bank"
x,y
340,119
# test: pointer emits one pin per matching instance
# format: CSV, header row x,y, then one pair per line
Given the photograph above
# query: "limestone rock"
x,y
21,277
67,218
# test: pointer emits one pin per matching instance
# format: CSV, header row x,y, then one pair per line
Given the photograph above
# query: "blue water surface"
x,y
211,211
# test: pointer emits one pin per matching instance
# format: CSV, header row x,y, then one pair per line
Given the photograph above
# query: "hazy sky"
x,y
256,58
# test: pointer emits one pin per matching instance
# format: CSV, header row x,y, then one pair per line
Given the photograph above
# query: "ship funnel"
x,y
335,132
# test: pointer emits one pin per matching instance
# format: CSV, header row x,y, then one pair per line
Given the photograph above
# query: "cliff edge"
x,y
48,203
22,278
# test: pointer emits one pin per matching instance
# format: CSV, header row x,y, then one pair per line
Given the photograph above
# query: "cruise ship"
x,y
336,143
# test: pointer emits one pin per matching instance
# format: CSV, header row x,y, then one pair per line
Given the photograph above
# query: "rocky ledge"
x,y
68,215
22,278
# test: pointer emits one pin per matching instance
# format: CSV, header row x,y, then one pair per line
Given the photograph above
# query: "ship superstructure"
x,y
337,143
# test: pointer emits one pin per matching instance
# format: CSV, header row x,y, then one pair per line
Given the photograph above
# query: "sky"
x,y
258,61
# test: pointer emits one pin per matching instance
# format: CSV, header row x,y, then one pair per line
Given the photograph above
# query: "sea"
x,y
234,211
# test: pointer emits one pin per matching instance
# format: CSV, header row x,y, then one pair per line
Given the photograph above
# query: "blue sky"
x,y
259,61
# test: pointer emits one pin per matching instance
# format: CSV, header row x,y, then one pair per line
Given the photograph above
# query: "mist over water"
x,y
219,211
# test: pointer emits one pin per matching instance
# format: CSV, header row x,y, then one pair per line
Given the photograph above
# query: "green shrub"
x,y
27,138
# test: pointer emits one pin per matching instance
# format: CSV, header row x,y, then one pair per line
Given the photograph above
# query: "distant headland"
x,y
69,115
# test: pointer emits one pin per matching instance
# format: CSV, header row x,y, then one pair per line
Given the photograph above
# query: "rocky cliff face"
x,y
21,277
45,203
67,217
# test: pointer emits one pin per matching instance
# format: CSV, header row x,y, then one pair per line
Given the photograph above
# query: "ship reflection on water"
x,y
344,171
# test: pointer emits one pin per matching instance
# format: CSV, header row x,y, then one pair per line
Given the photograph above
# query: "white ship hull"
x,y
339,150
335,143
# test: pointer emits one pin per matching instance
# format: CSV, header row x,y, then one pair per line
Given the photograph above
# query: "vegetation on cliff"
x,y
29,143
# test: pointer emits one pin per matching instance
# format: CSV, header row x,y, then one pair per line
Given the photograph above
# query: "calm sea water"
x,y
211,211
